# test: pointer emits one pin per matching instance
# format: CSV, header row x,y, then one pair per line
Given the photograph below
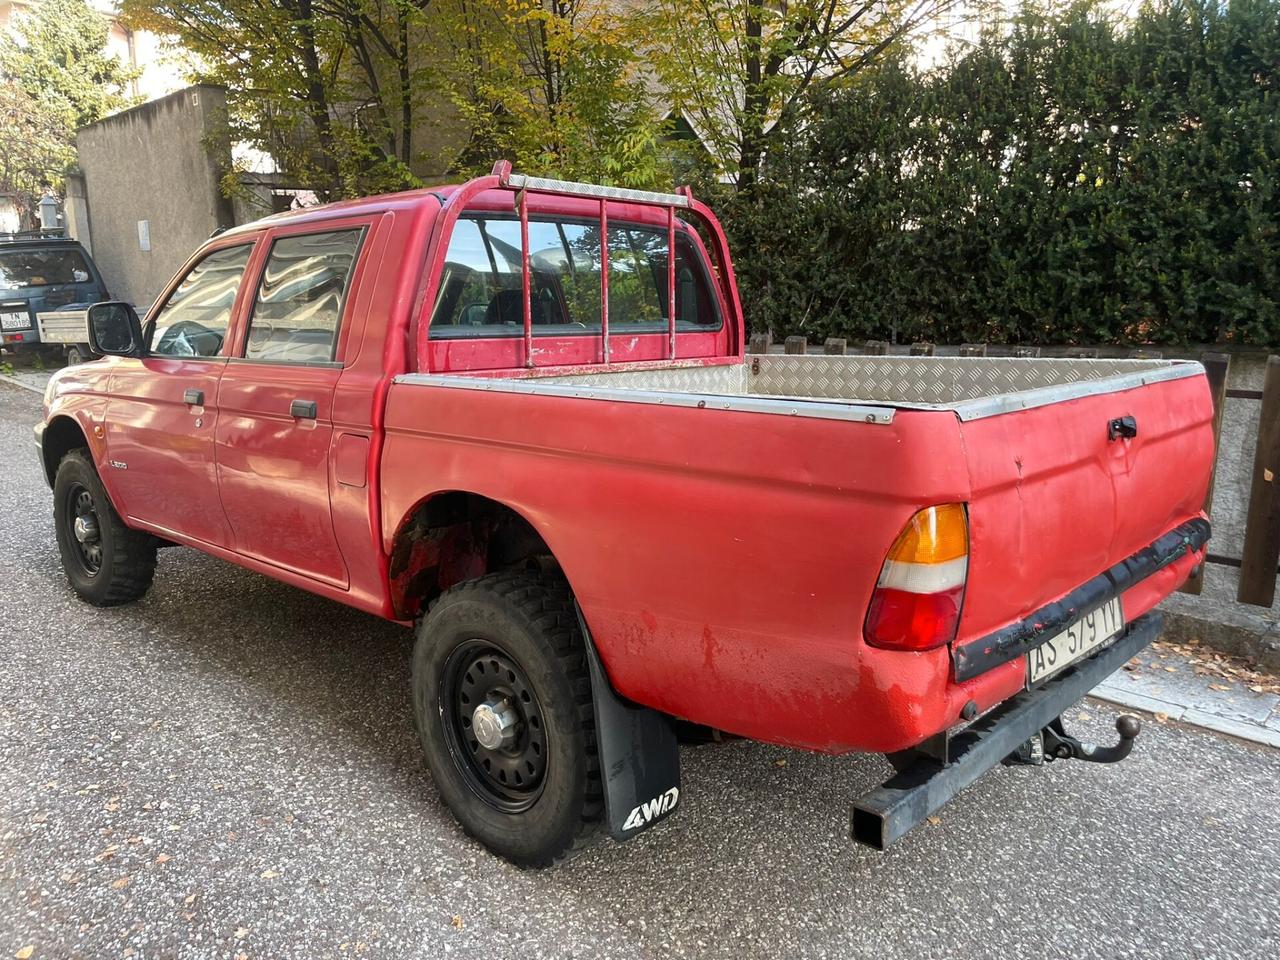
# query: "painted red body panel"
x,y
724,560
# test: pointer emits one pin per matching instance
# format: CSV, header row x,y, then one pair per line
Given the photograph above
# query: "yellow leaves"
x,y
457,921
25,953
121,883
269,874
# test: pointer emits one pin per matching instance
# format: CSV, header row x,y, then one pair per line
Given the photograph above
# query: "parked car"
x,y
38,274
453,409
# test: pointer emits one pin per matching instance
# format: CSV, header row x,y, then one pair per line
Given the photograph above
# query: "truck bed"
x,y
851,387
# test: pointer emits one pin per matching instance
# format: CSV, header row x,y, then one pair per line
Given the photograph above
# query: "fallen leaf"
x,y
269,874
163,858
242,956
26,952
189,916
1171,669
129,951
120,884
1219,686
189,900
934,821
241,932
1161,717
457,921
112,805
779,763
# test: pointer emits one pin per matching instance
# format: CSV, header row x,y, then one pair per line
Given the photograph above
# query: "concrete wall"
x,y
155,169
75,211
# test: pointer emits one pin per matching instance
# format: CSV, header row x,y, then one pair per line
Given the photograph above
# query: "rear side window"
x,y
29,267
194,320
480,292
300,298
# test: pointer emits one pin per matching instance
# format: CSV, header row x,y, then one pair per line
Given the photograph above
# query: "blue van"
x,y
40,273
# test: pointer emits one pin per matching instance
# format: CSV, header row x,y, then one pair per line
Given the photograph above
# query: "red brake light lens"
x,y
917,601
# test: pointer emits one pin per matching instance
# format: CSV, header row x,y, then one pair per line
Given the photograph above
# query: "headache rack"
x,y
502,178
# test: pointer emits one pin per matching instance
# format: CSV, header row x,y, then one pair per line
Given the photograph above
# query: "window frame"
x,y
199,257
683,232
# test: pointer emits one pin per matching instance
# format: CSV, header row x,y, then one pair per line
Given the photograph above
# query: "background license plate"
x,y
1080,639
14,321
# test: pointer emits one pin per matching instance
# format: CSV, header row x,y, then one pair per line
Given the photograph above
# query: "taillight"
x,y
916,604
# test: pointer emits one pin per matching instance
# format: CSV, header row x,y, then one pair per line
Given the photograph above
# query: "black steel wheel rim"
x,y
84,529
509,777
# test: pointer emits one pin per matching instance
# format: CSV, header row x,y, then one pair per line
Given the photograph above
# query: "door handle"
x,y
193,398
303,409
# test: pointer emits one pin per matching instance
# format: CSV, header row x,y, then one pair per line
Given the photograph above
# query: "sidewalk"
x,y
1194,684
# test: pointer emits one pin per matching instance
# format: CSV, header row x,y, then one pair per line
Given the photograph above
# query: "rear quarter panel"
x,y
723,560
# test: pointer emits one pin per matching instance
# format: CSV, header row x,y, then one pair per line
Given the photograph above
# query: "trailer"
x,y
70,329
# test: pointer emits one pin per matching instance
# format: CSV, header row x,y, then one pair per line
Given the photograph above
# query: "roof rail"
x,y
56,233
571,189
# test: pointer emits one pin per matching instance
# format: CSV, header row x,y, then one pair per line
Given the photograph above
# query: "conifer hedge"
x,y
1074,179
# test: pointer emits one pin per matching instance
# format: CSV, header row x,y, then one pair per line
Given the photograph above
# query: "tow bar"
x,y
1054,743
1026,729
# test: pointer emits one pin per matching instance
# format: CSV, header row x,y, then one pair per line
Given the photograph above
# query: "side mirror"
x,y
114,329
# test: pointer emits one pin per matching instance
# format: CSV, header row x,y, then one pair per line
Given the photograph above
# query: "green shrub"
x,y
1074,179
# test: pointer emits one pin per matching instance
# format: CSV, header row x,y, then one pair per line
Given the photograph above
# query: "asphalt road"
x,y
227,768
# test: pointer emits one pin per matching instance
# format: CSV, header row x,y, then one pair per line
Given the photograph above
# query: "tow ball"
x,y
1054,743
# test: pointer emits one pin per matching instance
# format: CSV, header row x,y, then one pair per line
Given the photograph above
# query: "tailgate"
x,y
1057,502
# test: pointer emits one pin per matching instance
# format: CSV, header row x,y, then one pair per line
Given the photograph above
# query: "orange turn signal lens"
x,y
934,535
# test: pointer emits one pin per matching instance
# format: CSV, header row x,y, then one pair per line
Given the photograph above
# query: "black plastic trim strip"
x,y
1008,643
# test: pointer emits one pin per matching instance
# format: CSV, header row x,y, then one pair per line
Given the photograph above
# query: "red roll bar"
x,y
503,179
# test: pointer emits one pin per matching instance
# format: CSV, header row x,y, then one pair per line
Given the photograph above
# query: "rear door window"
x,y
298,309
480,290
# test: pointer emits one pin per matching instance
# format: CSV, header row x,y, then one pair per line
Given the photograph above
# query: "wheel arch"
x,y
62,434
453,535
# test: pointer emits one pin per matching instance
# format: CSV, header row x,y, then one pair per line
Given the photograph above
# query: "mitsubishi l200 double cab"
x,y
516,416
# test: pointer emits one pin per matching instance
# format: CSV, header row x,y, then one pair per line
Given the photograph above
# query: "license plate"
x,y
1088,634
15,321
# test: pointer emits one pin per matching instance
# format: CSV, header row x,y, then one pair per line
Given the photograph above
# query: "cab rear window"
x,y
480,292
23,268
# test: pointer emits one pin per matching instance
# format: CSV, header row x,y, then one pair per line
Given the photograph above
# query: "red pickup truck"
x,y
517,415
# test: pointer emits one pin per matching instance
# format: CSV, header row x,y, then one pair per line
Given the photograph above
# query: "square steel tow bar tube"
x,y
885,814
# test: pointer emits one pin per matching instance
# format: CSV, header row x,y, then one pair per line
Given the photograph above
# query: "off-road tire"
x,y
127,561
531,621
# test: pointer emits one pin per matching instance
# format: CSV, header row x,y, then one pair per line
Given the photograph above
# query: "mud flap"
x,y
639,755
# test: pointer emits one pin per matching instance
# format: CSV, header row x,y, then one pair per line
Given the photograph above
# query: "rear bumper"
x,y
886,813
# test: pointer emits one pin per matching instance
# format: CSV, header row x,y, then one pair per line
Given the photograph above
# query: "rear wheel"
x,y
502,700
106,562
74,356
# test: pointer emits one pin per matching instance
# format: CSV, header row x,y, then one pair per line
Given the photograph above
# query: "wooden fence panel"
x,y
1262,528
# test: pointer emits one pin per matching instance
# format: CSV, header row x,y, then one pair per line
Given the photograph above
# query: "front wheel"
x,y
106,562
502,701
